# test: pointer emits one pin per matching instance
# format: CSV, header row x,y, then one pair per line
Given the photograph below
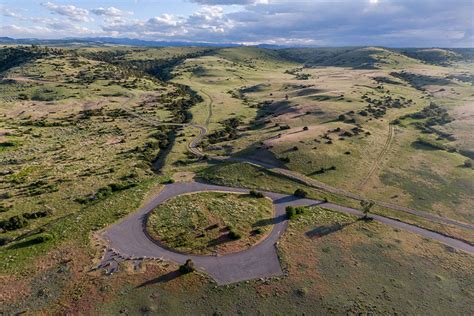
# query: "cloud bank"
x,y
399,23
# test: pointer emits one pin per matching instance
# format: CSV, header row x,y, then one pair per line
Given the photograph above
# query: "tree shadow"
x,y
325,230
28,243
161,279
269,221
222,239
286,199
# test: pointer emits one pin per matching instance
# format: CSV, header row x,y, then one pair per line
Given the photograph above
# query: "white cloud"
x,y
291,22
5,11
110,12
72,12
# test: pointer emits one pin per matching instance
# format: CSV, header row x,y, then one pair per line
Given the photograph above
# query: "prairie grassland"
x,y
291,115
67,157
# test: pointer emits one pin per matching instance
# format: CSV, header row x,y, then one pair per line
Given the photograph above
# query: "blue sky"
x,y
394,23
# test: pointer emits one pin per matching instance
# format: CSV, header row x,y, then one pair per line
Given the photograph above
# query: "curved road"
x,y
128,238
193,147
129,241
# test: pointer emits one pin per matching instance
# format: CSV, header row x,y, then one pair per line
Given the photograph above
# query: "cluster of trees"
x,y
419,81
429,117
378,107
14,56
229,131
104,192
21,220
160,68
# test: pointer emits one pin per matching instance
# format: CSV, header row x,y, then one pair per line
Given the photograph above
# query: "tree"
x,y
468,163
187,267
293,211
256,194
366,206
300,193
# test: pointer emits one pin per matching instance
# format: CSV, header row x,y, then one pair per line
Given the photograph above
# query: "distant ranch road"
x,y
128,238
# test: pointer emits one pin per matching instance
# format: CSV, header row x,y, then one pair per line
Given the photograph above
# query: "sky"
x,y
391,23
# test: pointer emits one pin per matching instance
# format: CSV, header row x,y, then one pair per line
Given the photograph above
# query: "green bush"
x,y
234,235
256,194
7,144
13,223
187,267
168,181
300,193
37,214
294,211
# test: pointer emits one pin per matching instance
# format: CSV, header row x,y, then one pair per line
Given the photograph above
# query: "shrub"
x,y
121,186
258,231
256,194
468,163
290,212
366,207
37,214
168,181
13,223
5,240
187,267
300,193
4,208
234,235
293,211
7,144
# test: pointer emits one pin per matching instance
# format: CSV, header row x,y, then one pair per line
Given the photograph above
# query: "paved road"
x,y
128,239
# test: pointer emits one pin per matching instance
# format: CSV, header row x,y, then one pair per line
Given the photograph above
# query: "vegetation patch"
x,y
211,222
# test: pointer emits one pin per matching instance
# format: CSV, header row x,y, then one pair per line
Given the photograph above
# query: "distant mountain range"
x,y
120,41
107,41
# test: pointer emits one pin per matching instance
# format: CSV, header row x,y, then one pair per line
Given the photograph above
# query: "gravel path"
x,y
128,240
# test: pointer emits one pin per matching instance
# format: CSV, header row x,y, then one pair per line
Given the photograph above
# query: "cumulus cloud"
x,y
110,12
316,22
226,2
5,11
72,12
290,22
198,26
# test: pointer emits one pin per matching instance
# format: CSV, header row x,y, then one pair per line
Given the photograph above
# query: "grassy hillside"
x,y
81,147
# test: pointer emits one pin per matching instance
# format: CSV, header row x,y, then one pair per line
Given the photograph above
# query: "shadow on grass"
x,y
28,243
219,240
161,279
325,230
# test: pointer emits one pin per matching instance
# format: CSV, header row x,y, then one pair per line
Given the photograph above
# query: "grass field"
x,y
209,223
334,123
